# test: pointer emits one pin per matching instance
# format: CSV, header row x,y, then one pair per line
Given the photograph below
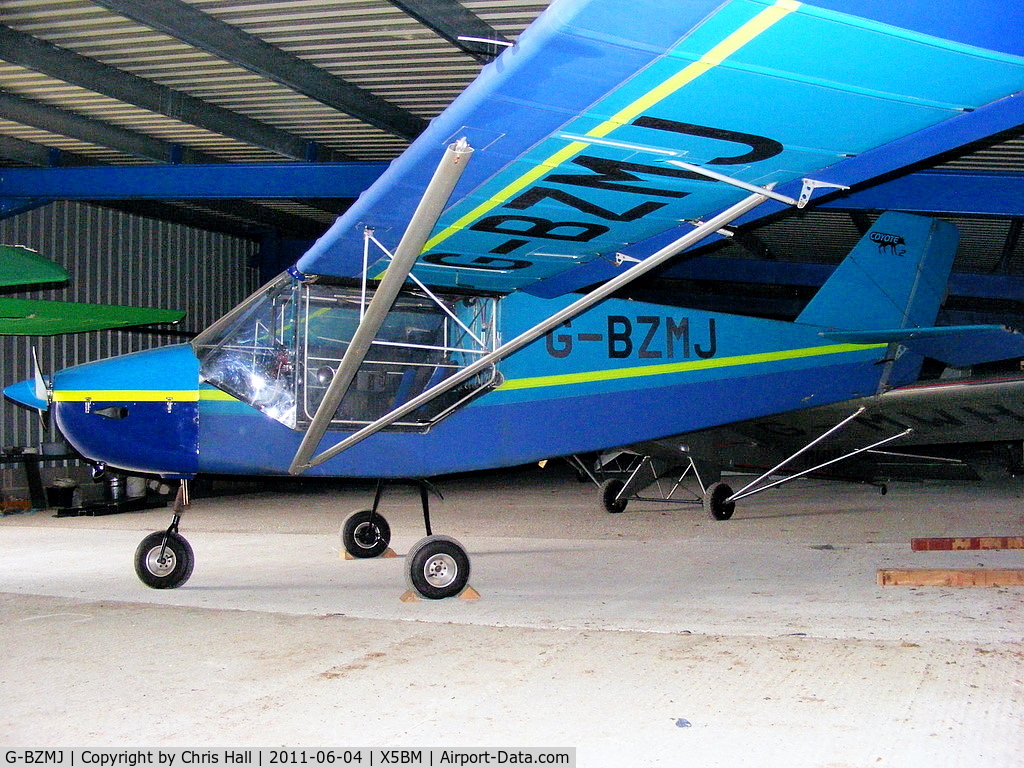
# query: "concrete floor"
x,y
608,633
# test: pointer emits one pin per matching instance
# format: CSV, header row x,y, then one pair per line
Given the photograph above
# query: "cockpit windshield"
x,y
279,350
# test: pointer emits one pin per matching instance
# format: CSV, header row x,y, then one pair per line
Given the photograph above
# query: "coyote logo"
x,y
893,244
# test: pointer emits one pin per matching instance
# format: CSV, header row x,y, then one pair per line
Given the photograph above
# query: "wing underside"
x,y
578,128
931,415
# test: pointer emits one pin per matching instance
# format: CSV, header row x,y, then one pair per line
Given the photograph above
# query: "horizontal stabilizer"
x,y
956,345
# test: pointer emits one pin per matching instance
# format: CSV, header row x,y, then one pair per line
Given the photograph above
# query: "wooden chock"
x,y
466,594
951,577
954,544
343,554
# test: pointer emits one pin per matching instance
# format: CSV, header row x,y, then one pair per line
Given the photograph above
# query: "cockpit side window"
x,y
423,341
279,350
253,357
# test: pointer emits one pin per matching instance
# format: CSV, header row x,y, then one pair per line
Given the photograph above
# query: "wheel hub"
x,y
161,565
440,570
366,535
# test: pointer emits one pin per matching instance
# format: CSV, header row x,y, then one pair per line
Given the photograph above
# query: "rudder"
x,y
895,277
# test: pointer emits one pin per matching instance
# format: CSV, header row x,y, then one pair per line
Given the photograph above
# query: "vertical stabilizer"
x,y
895,277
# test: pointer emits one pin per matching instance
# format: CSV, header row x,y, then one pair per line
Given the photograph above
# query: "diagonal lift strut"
x,y
582,304
452,164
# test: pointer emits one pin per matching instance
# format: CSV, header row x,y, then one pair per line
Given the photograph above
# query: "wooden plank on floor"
x,y
976,542
951,577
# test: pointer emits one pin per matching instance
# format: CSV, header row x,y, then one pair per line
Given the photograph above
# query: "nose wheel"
x,y
164,559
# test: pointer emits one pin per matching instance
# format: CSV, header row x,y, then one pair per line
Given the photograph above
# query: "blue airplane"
x,y
435,327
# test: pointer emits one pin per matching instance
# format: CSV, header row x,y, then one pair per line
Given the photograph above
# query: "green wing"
x,y
23,266
32,317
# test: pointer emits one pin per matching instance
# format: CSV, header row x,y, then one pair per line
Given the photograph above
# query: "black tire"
x,y
437,567
163,566
365,534
715,501
609,490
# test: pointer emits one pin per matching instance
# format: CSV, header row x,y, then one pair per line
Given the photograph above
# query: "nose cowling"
x,y
137,412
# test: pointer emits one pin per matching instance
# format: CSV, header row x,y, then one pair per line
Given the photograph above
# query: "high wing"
x,y
22,267
597,129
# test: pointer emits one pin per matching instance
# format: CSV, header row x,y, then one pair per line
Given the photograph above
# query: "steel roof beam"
x,y
41,56
30,153
198,29
71,124
97,181
451,20
192,182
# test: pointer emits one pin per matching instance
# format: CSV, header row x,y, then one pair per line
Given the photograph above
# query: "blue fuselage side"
x,y
623,372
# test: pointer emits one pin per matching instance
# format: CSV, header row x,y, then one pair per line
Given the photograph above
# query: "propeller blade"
x,y
32,393
42,391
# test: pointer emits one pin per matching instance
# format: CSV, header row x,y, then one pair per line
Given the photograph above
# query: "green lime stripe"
x,y
693,365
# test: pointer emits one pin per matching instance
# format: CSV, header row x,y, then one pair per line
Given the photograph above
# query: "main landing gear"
x,y
164,559
649,479
642,476
436,567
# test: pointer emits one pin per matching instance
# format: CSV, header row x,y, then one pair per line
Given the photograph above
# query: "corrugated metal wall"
x,y
117,258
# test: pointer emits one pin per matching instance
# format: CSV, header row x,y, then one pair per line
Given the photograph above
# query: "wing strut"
x,y
758,485
416,233
581,305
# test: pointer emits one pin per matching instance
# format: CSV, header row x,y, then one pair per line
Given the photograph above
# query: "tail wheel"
x,y
365,534
716,501
164,560
437,567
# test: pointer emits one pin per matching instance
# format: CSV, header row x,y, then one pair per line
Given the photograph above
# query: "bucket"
x,y
60,496
136,487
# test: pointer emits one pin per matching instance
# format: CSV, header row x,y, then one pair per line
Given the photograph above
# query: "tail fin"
x,y
895,277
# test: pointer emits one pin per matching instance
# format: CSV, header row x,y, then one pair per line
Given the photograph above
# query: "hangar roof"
x,y
129,82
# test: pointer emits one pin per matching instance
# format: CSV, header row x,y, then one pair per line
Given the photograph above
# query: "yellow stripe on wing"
x,y
718,54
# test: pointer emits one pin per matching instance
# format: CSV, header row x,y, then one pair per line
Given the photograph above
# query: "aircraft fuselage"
x,y
236,401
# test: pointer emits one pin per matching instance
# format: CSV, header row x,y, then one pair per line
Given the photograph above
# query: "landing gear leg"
x,y
164,559
436,566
